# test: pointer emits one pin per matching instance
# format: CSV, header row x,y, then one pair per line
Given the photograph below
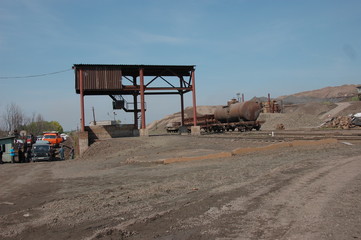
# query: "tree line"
x,y
14,119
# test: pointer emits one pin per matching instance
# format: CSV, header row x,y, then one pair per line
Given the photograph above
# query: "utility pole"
x,y
95,123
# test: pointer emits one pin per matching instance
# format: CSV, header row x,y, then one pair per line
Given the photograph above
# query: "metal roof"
x,y
148,70
6,138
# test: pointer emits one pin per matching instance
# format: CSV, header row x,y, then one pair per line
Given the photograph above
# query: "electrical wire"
x,y
38,75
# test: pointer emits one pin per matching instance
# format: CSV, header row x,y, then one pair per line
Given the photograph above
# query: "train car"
x,y
235,116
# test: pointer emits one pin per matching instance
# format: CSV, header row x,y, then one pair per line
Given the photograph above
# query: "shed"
x,y
5,145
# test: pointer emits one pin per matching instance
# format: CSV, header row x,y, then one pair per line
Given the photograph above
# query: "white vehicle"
x,y
64,136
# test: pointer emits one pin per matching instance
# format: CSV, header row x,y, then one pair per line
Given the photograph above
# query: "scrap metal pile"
x,y
344,122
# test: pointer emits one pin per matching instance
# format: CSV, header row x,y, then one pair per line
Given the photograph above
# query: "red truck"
x,y
53,138
30,140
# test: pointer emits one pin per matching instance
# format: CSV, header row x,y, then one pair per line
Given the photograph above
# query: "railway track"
x,y
289,135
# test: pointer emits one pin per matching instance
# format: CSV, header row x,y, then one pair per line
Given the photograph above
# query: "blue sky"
x,y
253,47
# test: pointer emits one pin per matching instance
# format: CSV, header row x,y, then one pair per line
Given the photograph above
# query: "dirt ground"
x,y
119,190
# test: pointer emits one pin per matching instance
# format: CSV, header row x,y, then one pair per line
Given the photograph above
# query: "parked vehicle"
x,y
42,151
30,140
173,127
64,136
39,137
53,138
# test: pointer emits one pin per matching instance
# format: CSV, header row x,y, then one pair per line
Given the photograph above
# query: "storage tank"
x,y
237,112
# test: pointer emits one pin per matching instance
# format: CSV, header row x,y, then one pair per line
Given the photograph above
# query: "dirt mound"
x,y
332,94
311,108
158,126
290,121
110,147
307,115
355,107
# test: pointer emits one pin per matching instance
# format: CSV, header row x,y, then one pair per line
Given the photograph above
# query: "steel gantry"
x,y
135,80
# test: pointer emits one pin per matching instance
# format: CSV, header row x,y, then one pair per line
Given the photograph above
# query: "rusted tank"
x,y
237,112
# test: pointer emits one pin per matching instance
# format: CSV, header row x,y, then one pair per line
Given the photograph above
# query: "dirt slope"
x,y
330,92
158,126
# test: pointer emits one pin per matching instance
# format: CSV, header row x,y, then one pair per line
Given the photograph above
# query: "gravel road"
x,y
118,190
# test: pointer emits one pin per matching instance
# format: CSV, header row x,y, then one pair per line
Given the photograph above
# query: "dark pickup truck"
x,y
42,151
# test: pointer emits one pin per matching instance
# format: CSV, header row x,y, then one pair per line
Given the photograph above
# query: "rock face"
x,y
301,110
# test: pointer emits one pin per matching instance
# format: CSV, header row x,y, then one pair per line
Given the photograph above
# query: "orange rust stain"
x,y
257,149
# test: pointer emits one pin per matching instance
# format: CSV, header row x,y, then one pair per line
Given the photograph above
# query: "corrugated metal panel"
x,y
100,78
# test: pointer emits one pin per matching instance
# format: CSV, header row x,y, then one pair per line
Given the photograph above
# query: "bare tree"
x,y
13,117
36,124
36,117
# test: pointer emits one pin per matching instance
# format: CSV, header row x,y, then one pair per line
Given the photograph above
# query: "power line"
x,y
38,75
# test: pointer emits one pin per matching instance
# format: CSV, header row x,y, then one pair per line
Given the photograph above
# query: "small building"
x,y
6,144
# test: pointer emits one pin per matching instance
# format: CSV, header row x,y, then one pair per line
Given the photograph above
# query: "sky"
x,y
254,47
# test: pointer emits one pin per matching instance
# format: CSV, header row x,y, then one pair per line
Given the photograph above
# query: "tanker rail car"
x,y
236,116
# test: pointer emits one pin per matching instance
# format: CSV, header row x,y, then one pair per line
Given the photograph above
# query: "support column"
x,y
143,131
82,115
142,104
182,109
135,100
195,130
182,100
194,99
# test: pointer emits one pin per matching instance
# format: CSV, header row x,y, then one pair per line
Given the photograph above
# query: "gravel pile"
x,y
289,120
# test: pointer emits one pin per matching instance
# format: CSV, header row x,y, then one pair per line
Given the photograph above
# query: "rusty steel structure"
x,y
116,81
240,116
238,111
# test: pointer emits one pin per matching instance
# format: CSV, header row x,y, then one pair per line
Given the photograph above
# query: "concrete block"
x,y
83,138
101,132
144,132
196,130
